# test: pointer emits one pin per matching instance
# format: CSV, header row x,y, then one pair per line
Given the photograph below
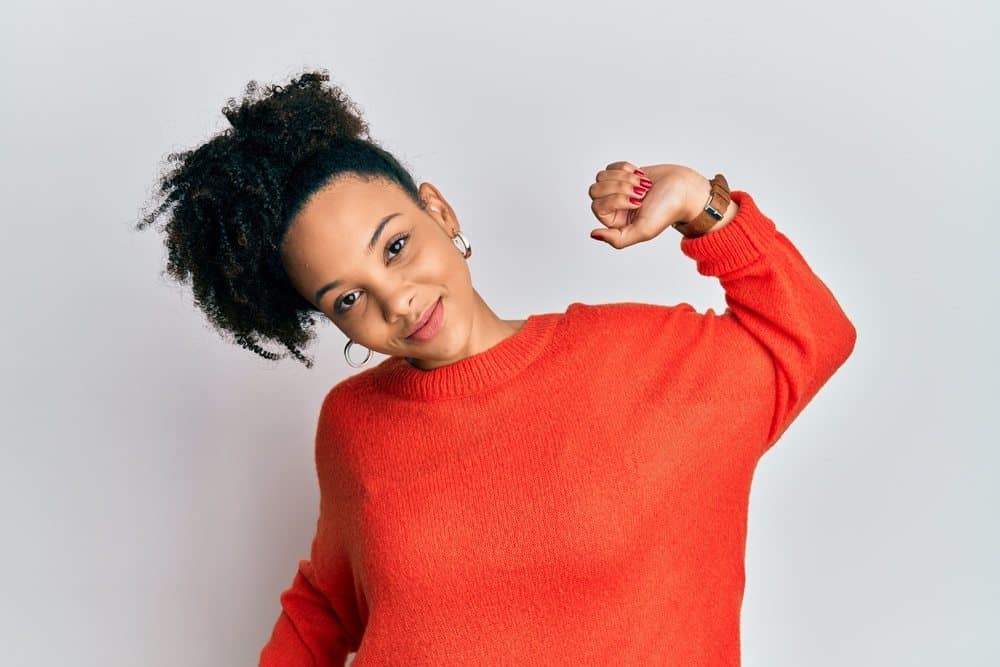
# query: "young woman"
x,y
565,489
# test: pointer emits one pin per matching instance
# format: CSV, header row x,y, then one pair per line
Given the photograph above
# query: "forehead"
x,y
343,215
350,205
331,232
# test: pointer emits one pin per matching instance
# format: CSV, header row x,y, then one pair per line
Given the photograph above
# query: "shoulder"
x,y
355,400
628,328
342,424
337,405
615,315
355,386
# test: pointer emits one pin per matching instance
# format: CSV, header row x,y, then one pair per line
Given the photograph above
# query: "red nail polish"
x,y
640,172
635,200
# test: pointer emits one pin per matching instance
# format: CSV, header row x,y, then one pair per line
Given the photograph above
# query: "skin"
x,y
383,294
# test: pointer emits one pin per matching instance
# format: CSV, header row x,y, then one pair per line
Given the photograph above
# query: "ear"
x,y
439,208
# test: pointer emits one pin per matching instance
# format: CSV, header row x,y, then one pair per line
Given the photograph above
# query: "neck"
x,y
487,330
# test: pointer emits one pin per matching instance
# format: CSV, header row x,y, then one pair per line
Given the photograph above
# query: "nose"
x,y
398,303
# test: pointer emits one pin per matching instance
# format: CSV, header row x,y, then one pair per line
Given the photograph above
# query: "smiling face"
x,y
376,294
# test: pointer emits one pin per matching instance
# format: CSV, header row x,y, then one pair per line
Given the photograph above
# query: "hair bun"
x,y
286,123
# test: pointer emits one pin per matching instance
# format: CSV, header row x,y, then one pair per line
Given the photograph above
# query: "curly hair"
x,y
228,203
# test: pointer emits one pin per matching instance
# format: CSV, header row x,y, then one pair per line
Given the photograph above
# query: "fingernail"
x,y
640,171
639,191
635,200
646,182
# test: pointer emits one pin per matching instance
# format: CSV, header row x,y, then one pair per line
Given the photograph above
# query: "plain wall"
x,y
157,485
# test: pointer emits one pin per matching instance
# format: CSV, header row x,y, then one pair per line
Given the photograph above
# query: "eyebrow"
x,y
371,246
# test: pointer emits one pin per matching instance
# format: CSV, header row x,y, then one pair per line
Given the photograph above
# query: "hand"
x,y
677,194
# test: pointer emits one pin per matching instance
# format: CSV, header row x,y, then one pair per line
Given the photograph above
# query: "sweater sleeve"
x,y
783,328
310,629
320,622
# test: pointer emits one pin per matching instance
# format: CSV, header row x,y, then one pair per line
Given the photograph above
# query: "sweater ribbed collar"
x,y
473,374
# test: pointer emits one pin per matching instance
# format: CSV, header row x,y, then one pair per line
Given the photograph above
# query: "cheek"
x,y
452,271
437,260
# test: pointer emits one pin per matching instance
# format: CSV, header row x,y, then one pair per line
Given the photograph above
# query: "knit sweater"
x,y
576,494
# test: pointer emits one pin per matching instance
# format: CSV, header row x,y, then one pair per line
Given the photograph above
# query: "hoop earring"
x,y
348,357
465,248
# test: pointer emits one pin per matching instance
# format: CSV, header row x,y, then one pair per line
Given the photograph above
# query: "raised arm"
x,y
777,305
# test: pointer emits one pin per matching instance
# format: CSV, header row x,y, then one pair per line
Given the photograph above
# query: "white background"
x,y
157,485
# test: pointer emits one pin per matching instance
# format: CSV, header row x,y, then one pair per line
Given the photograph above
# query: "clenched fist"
x,y
635,205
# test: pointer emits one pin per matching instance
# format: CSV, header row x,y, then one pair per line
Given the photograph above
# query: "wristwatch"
x,y
715,209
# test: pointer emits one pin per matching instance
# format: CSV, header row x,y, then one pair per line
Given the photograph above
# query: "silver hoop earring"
x,y
348,356
465,248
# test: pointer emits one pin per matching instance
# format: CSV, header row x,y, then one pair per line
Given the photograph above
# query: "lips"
x,y
424,318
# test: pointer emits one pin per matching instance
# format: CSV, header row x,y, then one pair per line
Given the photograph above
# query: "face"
x,y
379,294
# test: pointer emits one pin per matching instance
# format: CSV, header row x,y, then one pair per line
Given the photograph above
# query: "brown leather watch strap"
x,y
714,210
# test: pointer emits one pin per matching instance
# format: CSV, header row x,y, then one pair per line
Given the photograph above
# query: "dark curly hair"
x,y
228,203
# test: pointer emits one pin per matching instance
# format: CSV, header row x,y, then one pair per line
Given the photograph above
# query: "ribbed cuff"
x,y
745,238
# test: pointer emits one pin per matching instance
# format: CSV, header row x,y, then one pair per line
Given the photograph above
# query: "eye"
x,y
344,300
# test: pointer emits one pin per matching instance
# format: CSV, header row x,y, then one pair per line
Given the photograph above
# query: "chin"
x,y
446,345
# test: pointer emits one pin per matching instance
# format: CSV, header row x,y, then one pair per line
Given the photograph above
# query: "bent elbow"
x,y
837,348
848,338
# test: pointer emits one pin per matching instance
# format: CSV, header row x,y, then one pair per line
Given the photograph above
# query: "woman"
x,y
570,488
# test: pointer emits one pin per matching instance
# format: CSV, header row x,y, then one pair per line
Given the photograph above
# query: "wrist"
x,y
704,196
729,215
700,194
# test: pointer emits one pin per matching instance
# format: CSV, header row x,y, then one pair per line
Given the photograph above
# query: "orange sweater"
x,y
576,494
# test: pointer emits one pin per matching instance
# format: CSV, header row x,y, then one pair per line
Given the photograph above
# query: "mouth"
x,y
429,324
